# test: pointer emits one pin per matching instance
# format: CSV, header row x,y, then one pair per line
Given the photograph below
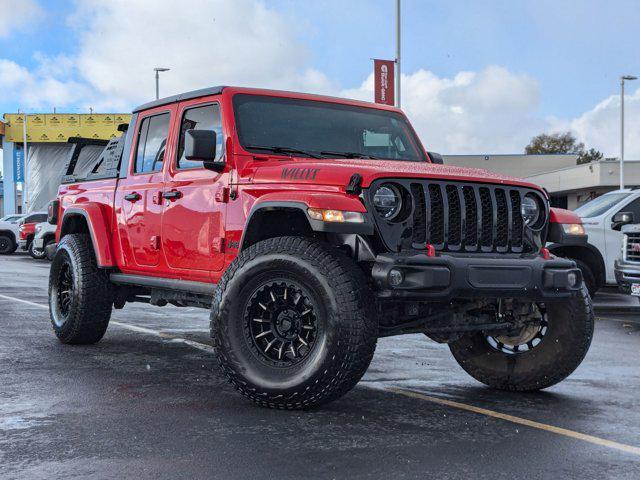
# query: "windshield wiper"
x,y
276,149
350,155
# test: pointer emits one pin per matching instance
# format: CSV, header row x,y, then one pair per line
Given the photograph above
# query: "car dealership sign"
x,y
18,164
384,81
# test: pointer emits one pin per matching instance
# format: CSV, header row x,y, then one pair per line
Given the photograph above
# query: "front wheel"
x,y
80,293
292,323
541,354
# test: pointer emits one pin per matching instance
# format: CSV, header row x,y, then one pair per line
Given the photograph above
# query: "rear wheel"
x,y
292,323
7,244
80,294
537,356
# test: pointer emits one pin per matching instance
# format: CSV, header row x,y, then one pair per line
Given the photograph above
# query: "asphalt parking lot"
x,y
149,402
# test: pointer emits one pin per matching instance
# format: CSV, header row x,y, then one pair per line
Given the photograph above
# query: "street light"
x,y
158,70
398,52
622,79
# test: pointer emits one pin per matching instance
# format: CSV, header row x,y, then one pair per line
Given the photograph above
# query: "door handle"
x,y
172,195
133,197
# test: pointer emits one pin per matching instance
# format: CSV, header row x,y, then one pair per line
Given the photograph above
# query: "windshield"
x,y
600,205
323,129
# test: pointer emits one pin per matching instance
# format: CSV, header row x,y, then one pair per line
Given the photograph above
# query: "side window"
x,y
36,218
633,207
206,117
152,142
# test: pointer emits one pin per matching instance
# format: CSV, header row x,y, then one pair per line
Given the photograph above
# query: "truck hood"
x,y
337,172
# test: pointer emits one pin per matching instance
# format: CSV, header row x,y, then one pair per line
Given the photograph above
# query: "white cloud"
x,y
209,43
17,14
600,127
491,111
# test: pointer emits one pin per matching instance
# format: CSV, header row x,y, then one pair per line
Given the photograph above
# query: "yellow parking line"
x,y
521,421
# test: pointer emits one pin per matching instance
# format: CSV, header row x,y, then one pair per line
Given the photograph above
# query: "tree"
x,y
592,155
561,142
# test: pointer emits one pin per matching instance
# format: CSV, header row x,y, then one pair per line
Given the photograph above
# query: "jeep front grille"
x,y
460,217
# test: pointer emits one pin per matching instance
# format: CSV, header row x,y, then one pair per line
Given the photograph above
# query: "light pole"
x,y
158,70
398,103
622,79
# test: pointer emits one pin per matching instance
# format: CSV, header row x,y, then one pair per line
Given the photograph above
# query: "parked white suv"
x,y
603,217
9,233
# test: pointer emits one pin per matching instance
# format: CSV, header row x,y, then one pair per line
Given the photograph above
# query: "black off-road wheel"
x,y
293,323
538,356
80,294
7,244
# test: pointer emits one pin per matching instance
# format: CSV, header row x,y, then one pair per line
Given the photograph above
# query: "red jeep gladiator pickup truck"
x,y
311,226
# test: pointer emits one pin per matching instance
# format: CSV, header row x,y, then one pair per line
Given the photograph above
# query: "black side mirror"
x,y
436,158
200,145
620,219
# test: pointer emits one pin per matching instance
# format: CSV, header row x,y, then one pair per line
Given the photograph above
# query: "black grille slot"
x,y
486,230
455,216
471,217
436,212
419,214
517,224
502,223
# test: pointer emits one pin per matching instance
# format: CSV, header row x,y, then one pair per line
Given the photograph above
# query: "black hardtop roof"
x,y
203,92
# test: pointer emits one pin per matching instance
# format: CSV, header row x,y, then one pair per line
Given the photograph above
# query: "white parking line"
x,y
134,328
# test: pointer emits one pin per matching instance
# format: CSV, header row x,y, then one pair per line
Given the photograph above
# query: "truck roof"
x,y
203,92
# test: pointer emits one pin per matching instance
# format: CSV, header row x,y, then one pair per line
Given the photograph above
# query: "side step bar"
x,y
198,288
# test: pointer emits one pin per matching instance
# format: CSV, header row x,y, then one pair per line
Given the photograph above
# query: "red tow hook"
x,y
545,253
431,250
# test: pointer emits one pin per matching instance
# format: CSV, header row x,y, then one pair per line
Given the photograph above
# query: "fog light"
x,y
572,278
396,277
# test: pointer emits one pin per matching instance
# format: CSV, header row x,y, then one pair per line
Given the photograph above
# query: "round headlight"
x,y
530,210
387,201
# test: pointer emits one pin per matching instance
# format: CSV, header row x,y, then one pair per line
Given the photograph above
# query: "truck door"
x,y
138,195
195,199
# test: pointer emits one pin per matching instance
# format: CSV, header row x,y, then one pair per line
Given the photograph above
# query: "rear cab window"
x,y
152,143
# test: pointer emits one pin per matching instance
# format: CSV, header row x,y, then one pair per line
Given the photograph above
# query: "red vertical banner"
x,y
384,85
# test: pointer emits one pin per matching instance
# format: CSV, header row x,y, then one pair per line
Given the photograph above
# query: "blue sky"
x,y
534,65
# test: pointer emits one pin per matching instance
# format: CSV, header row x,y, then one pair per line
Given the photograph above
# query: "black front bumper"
x,y
447,277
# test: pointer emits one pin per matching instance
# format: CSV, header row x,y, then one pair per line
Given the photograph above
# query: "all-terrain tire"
x,y
343,308
80,294
588,277
564,346
7,244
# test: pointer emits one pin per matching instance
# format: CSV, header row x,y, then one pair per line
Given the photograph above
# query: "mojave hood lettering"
x,y
338,172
